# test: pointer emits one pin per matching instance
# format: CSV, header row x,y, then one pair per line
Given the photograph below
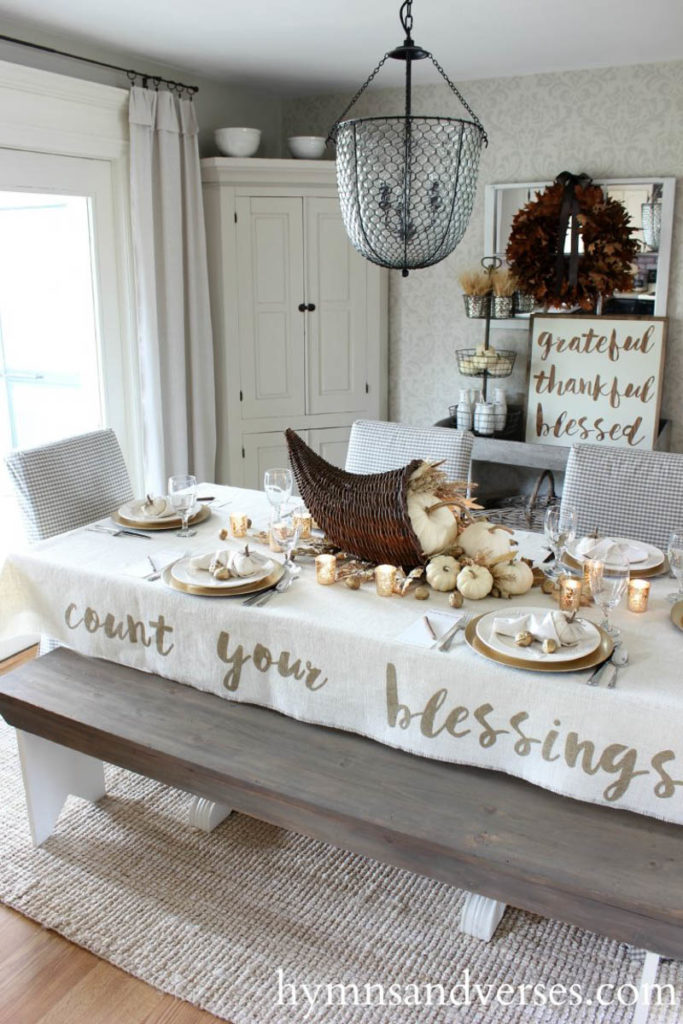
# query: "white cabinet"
x,y
299,318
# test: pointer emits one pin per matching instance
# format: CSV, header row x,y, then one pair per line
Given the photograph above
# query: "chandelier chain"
x,y
406,16
333,130
460,96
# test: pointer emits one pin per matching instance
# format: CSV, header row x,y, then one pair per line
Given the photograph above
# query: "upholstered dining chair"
x,y
68,483
376,446
625,492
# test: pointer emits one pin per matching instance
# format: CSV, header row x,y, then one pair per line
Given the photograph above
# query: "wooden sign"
x,y
595,379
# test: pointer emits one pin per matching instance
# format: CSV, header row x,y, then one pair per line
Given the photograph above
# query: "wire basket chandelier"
x,y
406,184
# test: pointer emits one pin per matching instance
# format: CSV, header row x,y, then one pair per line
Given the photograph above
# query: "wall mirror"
x,y
649,201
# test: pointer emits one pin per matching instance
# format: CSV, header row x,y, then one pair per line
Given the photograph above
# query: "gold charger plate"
x,y
677,614
172,523
601,652
636,574
247,588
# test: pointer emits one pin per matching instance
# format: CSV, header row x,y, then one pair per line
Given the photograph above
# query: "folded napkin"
x,y
157,508
551,626
224,563
605,549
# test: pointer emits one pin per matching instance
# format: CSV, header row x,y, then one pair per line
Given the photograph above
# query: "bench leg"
x,y
206,814
51,773
481,916
647,980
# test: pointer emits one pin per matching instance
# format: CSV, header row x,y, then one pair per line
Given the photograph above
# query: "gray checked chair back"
x,y
69,483
375,446
625,493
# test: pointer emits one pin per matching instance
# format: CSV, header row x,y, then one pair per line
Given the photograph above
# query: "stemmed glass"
x,y
674,553
560,529
285,529
182,490
608,582
278,484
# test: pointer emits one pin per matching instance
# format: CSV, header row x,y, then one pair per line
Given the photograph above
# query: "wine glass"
x,y
277,484
608,582
285,529
674,553
182,490
559,527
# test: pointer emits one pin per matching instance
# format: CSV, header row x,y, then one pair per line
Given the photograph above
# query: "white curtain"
x,y
174,322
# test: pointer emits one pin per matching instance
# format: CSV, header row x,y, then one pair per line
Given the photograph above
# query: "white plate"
x,y
647,556
133,510
185,573
506,644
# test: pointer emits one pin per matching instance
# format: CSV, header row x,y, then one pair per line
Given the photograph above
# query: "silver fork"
x,y
447,639
284,584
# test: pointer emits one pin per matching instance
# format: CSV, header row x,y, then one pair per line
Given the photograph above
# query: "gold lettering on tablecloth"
x,y
263,660
581,753
126,628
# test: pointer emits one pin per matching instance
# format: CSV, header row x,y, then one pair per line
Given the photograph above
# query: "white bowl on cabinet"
x,y
238,141
307,147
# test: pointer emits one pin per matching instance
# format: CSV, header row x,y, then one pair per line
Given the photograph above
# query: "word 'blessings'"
x,y
581,381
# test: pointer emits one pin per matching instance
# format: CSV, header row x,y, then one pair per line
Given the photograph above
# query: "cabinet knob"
x,y
310,307
302,307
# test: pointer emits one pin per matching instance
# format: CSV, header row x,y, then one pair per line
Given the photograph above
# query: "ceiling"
x,y
301,46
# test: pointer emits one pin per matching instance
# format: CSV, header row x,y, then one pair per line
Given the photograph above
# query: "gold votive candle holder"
x,y
239,524
570,594
326,569
385,578
303,520
638,594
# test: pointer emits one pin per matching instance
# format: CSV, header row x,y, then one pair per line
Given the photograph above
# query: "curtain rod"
x,y
156,80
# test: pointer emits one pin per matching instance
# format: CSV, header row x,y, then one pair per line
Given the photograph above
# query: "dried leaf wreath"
x,y
603,267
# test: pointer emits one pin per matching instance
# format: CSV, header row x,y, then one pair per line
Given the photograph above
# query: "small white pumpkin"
x,y
474,582
154,507
487,540
435,530
512,578
442,572
242,563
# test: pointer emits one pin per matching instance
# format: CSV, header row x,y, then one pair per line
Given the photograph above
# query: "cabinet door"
x,y
336,329
262,451
332,443
271,288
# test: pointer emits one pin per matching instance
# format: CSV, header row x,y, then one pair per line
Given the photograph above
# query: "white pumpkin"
x,y
442,572
474,582
512,578
487,540
435,530
242,563
154,507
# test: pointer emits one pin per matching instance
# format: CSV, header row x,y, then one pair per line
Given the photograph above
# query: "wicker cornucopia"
x,y
365,514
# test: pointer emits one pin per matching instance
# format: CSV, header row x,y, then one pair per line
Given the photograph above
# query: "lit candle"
x,y
239,524
326,569
385,577
638,593
303,519
570,594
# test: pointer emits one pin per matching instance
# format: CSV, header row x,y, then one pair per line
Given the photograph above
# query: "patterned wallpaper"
x,y
609,122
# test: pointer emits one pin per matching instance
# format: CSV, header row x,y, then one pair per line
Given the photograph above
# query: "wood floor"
x,y
46,980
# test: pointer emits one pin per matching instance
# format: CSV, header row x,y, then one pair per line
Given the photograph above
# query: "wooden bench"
x,y
616,873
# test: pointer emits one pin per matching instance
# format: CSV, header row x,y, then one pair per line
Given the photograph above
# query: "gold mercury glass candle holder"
x,y
304,520
570,594
239,524
385,578
638,594
326,569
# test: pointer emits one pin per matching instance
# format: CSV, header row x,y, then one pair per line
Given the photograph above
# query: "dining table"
x,y
356,661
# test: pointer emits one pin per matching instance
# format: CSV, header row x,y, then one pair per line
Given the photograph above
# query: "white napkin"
x,y
607,550
149,511
215,558
156,561
418,634
552,626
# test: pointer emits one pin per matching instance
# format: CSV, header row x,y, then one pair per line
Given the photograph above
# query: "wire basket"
x,y
488,362
524,511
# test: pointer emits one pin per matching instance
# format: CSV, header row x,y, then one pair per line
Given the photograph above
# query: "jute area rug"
x,y
232,920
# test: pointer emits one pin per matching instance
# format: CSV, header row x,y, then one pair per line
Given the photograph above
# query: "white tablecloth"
x,y
329,655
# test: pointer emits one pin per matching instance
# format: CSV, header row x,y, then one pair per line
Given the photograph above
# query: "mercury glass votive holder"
x,y
239,524
570,594
638,594
304,520
325,569
385,578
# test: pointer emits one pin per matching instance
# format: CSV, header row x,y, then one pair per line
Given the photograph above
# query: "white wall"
x,y
609,122
219,104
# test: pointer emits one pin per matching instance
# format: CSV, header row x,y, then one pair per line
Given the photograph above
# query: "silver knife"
x,y
596,677
445,641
